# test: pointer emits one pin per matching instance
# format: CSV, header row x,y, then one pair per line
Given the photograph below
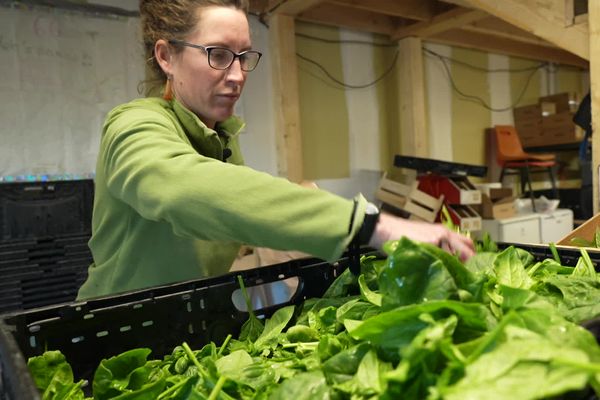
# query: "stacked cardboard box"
x,y
528,122
549,122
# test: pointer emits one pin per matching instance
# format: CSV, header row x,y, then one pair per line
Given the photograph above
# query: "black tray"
x,y
439,167
160,318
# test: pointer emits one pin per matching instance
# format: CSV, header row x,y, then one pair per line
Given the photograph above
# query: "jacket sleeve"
x,y
157,173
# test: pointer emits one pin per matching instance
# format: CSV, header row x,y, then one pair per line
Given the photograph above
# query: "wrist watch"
x,y
368,225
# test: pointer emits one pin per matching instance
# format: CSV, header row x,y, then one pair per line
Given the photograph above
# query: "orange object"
x,y
514,160
168,93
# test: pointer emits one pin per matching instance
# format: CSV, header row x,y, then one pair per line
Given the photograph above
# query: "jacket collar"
x,y
198,131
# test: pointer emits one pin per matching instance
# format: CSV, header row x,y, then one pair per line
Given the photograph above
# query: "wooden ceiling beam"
x,y
352,18
449,20
498,27
500,45
420,10
547,22
291,7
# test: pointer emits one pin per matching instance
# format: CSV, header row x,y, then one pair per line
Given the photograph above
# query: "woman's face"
x,y
211,93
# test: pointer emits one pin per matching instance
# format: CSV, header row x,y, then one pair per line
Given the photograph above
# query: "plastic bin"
x,y
160,318
39,209
42,271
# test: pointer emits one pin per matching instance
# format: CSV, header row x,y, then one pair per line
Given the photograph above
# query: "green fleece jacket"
x,y
167,209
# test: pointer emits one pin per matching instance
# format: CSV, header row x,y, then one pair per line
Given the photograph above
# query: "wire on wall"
x,y
348,85
476,99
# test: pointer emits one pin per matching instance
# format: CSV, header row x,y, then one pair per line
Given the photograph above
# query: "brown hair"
x,y
172,19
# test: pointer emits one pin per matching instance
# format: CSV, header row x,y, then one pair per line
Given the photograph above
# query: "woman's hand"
x,y
393,228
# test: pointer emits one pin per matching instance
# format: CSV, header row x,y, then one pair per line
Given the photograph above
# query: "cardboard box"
x,y
529,112
585,231
496,202
565,102
530,132
560,129
499,208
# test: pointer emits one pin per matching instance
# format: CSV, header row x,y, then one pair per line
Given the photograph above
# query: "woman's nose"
x,y
235,72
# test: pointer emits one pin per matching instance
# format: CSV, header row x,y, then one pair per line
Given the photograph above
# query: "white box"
x,y
520,229
556,225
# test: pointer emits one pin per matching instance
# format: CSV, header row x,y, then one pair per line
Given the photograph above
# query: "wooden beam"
x,y
500,45
352,18
449,20
413,117
420,10
291,7
286,99
544,20
495,26
594,30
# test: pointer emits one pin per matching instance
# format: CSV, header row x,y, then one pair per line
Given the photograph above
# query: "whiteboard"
x,y
62,71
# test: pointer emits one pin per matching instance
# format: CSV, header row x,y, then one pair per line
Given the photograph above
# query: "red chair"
x,y
515,161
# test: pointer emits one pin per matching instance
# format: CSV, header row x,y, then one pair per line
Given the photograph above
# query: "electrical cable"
x,y
481,69
347,85
478,100
443,59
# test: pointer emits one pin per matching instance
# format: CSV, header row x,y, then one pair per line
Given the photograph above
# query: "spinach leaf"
x,y
510,368
304,386
368,294
53,376
120,374
274,326
510,270
253,327
413,274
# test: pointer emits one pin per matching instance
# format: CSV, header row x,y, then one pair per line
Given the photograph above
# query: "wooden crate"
x,y
585,231
409,198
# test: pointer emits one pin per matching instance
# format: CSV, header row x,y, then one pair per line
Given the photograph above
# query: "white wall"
x,y
256,107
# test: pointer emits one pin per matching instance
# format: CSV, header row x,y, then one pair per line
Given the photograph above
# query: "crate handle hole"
x,y
267,294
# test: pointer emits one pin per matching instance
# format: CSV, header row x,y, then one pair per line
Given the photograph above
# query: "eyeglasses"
x,y
222,58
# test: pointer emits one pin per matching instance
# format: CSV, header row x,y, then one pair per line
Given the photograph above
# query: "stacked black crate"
x,y
44,230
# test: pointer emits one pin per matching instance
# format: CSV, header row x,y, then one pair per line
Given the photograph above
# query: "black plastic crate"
x,y
161,318
569,255
39,209
43,271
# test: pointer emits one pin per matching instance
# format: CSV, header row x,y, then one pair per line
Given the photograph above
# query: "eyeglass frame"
x,y
209,49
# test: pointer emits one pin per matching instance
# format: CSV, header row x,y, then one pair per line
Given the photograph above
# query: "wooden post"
x,y
413,126
594,27
286,98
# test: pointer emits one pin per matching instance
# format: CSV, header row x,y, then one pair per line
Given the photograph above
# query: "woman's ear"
x,y
164,56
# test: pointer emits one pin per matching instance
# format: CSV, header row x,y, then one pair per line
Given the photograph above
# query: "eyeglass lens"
x,y
221,58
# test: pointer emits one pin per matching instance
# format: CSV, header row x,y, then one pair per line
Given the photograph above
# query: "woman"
x,y
173,201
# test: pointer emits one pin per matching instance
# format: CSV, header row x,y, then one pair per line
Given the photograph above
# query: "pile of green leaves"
x,y
417,325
